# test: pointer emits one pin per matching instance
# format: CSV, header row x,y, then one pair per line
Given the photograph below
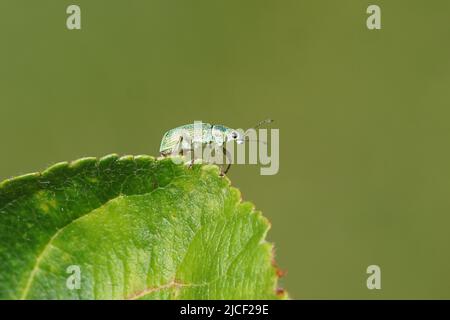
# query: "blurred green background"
x,y
363,117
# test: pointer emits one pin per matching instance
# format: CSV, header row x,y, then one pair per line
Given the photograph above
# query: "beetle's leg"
x,y
228,156
179,146
191,162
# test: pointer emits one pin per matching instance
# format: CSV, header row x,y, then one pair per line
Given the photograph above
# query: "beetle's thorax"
x,y
220,133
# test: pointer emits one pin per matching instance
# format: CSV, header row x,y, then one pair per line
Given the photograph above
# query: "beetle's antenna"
x,y
259,124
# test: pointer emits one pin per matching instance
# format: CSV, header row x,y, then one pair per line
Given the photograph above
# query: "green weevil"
x,y
184,138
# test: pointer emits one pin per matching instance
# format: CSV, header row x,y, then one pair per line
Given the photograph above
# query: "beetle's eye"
x,y
234,135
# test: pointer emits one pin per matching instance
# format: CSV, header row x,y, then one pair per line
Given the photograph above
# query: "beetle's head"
x,y
235,135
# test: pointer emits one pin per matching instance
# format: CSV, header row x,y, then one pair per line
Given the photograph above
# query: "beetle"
x,y
184,139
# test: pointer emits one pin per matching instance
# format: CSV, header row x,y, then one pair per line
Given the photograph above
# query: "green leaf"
x,y
137,228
